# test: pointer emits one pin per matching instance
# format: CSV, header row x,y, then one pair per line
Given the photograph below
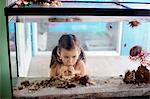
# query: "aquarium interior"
x,y
105,39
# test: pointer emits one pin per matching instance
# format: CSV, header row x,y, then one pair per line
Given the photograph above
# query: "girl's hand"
x,y
67,71
71,68
63,71
71,71
145,62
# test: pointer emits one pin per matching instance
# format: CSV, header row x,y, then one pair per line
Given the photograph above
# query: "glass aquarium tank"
x,y
107,31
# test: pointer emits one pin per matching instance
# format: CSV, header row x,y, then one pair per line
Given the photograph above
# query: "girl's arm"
x,y
53,71
81,67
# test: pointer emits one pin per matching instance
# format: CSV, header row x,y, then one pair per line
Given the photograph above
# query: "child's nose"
x,y
70,60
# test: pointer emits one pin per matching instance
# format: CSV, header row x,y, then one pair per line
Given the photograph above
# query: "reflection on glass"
x,y
12,42
94,36
77,4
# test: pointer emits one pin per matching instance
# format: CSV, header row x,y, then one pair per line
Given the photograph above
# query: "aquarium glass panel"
x,y
93,35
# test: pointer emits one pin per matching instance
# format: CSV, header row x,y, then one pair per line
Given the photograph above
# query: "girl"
x,y
138,53
67,58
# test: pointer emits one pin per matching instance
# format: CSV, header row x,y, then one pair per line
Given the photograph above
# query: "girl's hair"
x,y
68,42
135,50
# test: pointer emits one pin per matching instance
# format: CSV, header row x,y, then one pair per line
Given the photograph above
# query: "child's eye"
x,y
66,57
74,56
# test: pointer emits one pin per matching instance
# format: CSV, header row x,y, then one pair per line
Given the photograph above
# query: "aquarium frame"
x,y
10,11
9,57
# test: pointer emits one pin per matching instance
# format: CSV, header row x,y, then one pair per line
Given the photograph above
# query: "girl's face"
x,y
69,57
